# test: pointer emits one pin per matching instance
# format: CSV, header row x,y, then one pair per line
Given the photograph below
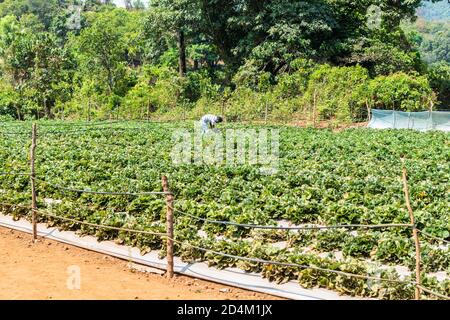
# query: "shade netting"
x,y
423,121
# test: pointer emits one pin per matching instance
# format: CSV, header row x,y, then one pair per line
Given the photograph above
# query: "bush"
x,y
9,101
439,78
295,82
337,92
400,91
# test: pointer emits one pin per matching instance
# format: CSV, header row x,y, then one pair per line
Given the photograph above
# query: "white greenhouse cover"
x,y
423,121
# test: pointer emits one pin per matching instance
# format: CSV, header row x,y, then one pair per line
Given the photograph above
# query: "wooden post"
x,y
222,107
314,109
33,182
369,115
169,200
148,109
89,109
415,232
267,110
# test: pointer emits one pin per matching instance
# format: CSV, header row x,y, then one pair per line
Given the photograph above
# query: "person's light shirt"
x,y
209,121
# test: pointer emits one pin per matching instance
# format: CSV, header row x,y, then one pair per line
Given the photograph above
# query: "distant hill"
x,y
432,38
435,11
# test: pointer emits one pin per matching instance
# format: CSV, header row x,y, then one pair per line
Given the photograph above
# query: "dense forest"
x,y
246,59
432,39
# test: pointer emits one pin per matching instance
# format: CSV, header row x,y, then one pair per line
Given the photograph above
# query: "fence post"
x,y
415,233
224,110
267,111
314,108
89,109
33,182
169,200
148,109
368,112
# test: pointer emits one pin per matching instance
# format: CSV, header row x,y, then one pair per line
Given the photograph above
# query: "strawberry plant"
x,y
324,177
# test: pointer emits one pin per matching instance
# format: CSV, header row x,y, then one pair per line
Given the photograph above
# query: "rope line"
x,y
15,133
342,273
105,192
14,174
83,222
432,237
80,124
70,132
433,292
15,205
254,226
93,123
81,130
286,264
100,226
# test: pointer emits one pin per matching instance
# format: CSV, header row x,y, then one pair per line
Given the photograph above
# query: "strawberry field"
x,y
325,178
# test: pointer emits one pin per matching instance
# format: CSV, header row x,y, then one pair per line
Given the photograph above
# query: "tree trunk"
x,y
18,111
182,51
48,110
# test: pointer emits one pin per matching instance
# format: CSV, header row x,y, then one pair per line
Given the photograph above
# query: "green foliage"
x,y
400,91
335,178
36,67
8,101
360,246
337,92
44,10
393,248
382,58
249,60
432,39
439,78
102,48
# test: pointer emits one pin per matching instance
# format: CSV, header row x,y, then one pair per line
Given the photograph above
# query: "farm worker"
x,y
209,121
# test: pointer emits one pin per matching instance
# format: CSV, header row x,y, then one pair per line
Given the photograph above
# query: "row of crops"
x,y
324,178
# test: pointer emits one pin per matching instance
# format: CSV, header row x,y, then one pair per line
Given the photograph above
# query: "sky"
x,y
121,3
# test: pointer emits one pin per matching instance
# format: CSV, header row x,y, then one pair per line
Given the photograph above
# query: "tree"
x,y
439,78
33,63
102,49
400,91
17,55
275,32
52,72
179,18
138,5
432,39
45,10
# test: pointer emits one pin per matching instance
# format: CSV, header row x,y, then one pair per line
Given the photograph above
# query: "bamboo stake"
x,y
89,109
148,109
33,182
169,200
314,109
415,232
267,110
224,110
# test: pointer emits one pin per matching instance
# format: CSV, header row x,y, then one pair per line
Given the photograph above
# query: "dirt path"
x,y
49,270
